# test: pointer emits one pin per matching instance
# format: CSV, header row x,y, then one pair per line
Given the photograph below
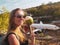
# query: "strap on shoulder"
x,y
12,33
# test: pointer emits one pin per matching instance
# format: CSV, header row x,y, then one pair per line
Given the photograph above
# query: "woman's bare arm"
x,y
32,36
13,40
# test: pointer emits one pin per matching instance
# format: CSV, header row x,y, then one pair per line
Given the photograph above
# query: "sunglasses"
x,y
20,16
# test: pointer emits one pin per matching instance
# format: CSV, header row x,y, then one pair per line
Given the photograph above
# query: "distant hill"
x,y
50,9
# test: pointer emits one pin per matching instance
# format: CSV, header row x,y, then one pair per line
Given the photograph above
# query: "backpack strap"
x,y
12,33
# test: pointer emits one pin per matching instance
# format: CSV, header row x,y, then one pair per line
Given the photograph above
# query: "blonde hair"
x,y
12,25
29,20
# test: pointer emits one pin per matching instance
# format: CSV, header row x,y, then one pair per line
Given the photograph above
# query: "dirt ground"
x,y
55,41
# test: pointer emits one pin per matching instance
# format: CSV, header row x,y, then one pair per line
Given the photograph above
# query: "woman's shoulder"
x,y
11,36
13,40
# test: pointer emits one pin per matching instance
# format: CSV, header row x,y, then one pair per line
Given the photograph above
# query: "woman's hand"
x,y
32,37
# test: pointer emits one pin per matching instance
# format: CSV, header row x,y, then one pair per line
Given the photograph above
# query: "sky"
x,y
23,4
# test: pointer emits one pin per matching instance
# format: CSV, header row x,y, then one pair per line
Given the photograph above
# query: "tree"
x,y
4,19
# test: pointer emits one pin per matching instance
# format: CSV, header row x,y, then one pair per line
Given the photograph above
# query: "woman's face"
x,y
19,17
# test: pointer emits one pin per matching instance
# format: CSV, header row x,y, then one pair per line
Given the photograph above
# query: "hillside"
x,y
50,9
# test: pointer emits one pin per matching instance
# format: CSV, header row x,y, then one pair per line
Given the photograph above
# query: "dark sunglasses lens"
x,y
24,16
18,16
21,16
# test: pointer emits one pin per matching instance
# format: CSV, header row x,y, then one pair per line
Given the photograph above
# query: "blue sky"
x,y
23,4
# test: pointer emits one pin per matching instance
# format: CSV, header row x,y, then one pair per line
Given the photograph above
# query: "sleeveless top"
x,y
21,43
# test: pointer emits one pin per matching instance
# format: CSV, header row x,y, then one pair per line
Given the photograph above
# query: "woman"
x,y
27,23
15,36
27,28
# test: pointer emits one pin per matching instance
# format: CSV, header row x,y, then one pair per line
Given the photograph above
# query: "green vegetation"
x,y
4,18
50,9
